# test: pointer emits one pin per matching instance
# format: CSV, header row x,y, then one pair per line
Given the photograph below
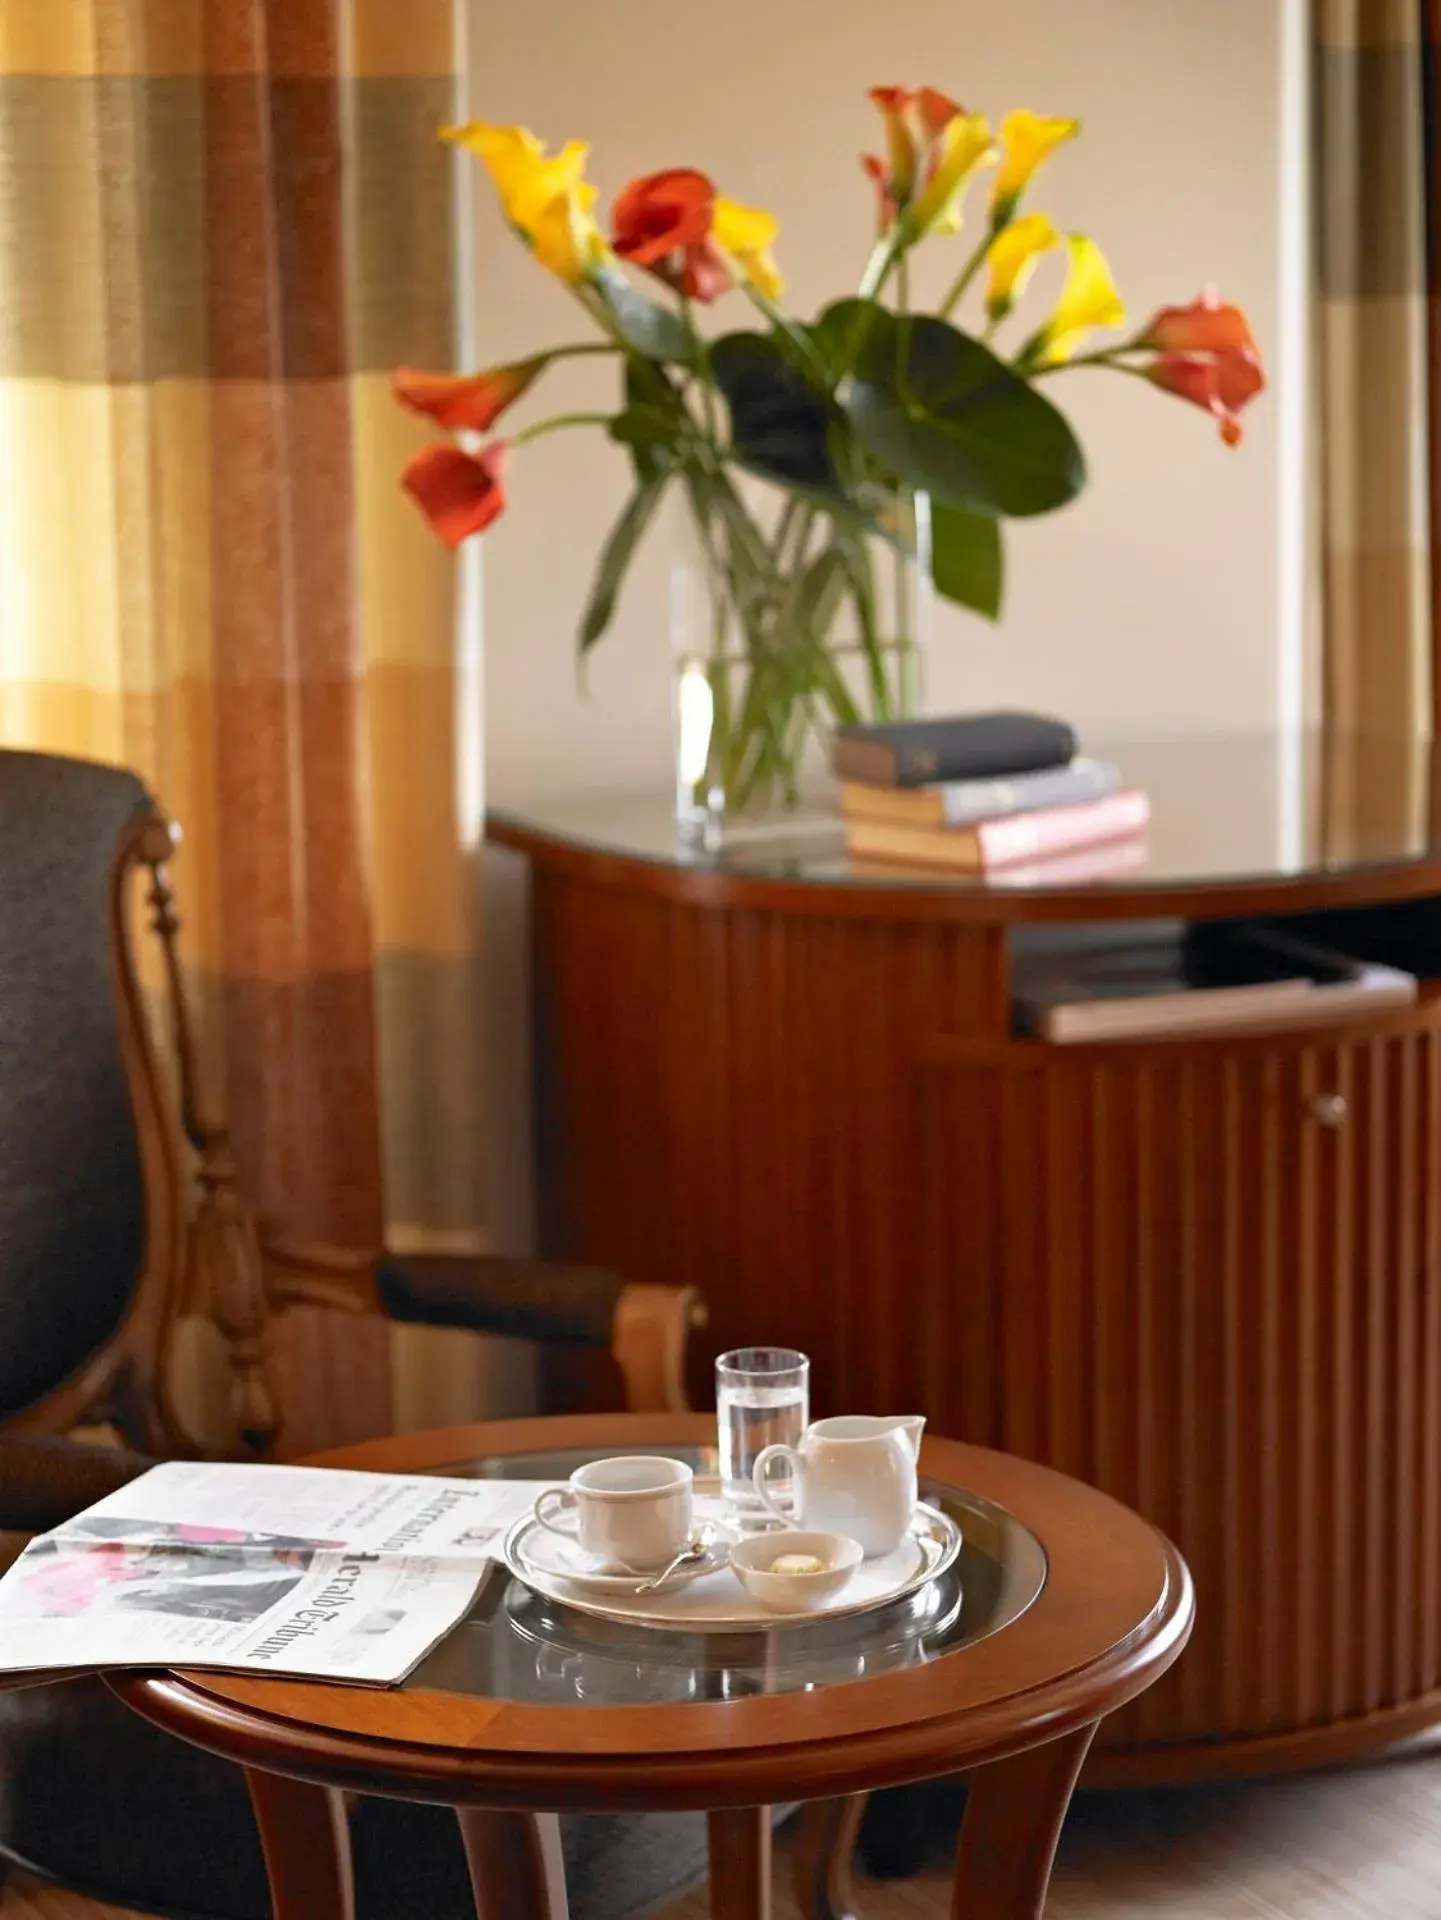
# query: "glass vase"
x,y
786,624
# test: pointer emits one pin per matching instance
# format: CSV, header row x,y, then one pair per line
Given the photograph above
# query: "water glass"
x,y
762,1397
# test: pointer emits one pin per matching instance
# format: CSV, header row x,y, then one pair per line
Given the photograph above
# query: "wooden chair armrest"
x,y
645,1327
46,1481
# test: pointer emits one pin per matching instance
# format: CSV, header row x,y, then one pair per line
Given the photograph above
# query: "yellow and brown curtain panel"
x,y
221,223
1378,402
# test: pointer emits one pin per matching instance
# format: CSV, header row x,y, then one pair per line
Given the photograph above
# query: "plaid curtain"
x,y
221,223
1374,399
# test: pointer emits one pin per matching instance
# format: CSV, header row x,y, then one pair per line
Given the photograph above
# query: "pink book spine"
x,y
1031,836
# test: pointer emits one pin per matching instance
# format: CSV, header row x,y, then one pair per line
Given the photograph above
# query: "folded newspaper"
x,y
284,1570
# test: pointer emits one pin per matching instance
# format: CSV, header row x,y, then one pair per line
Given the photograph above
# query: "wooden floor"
x,y
1359,1845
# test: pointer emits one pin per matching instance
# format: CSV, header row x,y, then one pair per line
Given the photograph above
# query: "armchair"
x,y
105,1238
104,1241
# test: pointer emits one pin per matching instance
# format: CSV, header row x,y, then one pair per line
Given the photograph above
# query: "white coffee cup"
x,y
636,1509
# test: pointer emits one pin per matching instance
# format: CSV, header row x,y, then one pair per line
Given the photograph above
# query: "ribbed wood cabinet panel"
x,y
1208,1279
729,1100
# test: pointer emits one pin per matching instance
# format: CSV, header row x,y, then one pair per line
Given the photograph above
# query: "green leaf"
x,y
648,329
840,330
619,550
780,424
967,558
943,413
643,429
652,421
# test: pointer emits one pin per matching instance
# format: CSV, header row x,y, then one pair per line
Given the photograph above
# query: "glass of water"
x,y
762,1397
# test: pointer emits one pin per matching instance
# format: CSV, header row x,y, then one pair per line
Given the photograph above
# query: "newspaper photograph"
x,y
302,1571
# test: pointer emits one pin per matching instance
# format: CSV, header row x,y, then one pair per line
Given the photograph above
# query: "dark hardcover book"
x,y
968,746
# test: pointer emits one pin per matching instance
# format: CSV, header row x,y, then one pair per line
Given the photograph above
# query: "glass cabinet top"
x,y
1226,810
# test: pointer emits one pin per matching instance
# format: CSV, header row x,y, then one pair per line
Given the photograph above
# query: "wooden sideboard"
x,y
1203,1274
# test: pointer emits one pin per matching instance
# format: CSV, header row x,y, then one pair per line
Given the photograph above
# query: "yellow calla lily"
x,y
1027,138
747,235
964,144
564,236
1088,299
511,153
1012,258
546,197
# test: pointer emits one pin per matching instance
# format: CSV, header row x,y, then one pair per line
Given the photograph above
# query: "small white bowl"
x,y
751,1562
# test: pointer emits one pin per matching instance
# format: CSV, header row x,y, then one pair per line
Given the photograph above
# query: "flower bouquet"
x,y
810,454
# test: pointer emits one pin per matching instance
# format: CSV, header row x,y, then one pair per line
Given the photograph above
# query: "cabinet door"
x,y
1207,1277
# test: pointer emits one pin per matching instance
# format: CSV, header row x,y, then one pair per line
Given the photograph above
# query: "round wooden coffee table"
x,y
1063,1606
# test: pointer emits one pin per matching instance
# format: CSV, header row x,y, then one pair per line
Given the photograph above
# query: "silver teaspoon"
x,y
694,1549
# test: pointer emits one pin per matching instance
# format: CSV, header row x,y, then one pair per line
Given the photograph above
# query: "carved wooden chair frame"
x,y
207,1252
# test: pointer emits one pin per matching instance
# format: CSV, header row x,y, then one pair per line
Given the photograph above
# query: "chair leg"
x,y
1014,1813
516,1864
306,1839
824,1857
740,1863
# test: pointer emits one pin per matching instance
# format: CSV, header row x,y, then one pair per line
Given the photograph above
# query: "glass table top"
x,y
1242,808
516,1645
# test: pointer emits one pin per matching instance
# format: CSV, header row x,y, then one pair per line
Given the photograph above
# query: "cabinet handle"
x,y
1328,1109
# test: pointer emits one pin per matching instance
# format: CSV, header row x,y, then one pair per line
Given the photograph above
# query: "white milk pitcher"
x,y
855,1474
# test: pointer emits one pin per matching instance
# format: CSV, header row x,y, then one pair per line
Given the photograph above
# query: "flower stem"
x,y
783,324
556,422
705,370
964,278
878,267
1103,357
577,348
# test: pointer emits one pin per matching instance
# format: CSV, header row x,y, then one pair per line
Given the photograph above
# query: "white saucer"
x,y
535,1550
710,1599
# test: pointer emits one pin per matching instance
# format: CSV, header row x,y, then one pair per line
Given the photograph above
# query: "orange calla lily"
x,y
1207,355
464,400
894,105
935,111
663,222
459,493
1206,326
886,208
1223,385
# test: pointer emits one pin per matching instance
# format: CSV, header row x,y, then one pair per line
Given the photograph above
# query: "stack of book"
x,y
986,793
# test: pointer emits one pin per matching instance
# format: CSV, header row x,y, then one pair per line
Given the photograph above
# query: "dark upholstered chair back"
x,y
72,1216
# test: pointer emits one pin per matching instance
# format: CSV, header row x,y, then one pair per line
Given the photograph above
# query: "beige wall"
x,y
1150,604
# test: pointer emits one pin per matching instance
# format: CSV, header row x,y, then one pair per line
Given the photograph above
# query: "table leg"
x,y
1014,1812
825,1852
517,1868
306,1839
740,1863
